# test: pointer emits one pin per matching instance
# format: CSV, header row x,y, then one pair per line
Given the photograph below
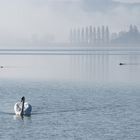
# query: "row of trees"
x,y
127,37
90,35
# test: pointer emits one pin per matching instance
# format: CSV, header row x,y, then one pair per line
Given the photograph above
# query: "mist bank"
x,y
39,22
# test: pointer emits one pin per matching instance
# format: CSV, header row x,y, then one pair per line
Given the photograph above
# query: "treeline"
x,y
101,35
132,36
90,35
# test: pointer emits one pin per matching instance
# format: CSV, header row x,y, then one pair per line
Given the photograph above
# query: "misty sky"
x,y
38,21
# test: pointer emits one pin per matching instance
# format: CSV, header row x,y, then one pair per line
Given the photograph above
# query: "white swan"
x,y
22,108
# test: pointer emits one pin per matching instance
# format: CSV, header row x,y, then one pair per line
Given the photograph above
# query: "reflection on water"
x,y
66,110
92,67
20,118
106,67
87,67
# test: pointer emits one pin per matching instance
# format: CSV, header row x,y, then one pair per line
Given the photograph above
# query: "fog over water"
x,y
78,90
37,22
97,67
41,21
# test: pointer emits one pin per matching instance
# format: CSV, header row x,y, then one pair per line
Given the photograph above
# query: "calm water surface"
x,y
73,97
71,111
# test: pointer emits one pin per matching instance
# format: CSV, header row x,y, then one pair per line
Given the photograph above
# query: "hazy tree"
x,y
94,35
135,28
107,35
74,36
78,36
90,34
136,35
103,34
98,35
71,36
86,35
82,35
131,28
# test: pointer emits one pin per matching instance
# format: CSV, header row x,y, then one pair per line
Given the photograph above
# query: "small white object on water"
x,y
23,108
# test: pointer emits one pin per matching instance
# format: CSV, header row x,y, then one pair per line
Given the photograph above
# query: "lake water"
x,y
74,97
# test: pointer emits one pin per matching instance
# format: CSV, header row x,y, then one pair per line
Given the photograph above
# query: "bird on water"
x,y
23,108
122,64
